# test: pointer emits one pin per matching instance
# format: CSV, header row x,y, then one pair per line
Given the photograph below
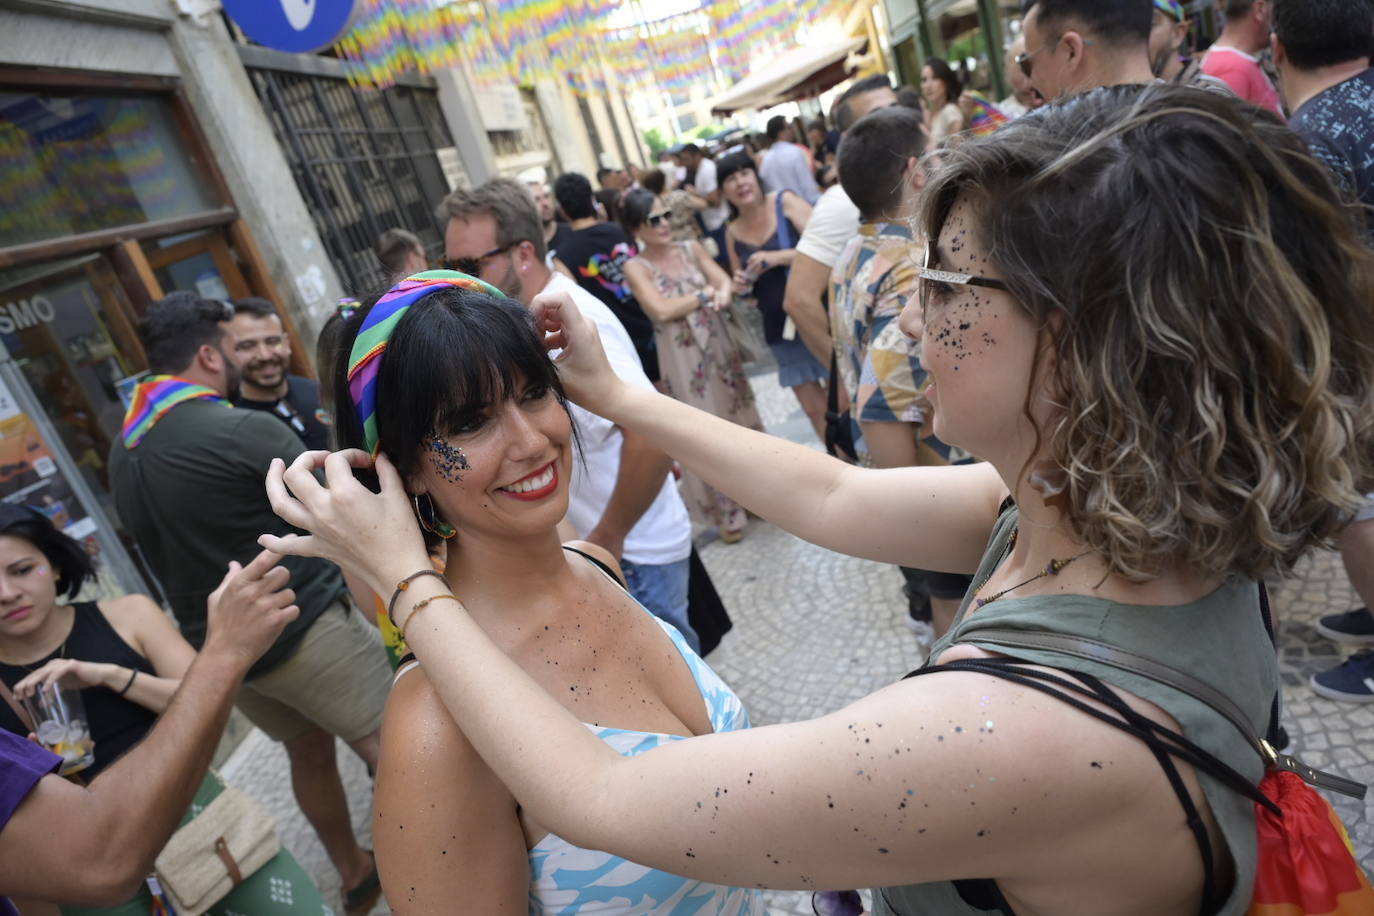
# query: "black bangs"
x,y
454,354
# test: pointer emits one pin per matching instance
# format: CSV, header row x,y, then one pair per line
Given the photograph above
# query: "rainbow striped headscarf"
x,y
1171,8
153,398
365,359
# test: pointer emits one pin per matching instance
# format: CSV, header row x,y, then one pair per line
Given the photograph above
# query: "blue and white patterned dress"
x,y
568,881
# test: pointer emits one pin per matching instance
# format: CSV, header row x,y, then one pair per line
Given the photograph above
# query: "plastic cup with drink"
x,y
59,720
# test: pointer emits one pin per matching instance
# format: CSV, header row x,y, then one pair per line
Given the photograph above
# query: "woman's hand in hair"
x,y
71,672
372,534
585,371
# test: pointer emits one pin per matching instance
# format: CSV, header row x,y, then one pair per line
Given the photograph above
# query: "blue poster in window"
x,y
292,25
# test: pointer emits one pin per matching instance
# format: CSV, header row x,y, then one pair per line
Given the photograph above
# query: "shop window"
x,y
72,163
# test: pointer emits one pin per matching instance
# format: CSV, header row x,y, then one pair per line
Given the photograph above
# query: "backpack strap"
x,y
1133,663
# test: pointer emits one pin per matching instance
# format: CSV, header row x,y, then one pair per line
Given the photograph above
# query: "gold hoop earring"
x,y
429,519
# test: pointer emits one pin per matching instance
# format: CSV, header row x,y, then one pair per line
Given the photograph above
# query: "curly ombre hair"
x,y
1214,353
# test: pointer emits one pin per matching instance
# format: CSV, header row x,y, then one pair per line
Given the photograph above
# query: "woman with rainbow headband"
x,y
448,381
1148,310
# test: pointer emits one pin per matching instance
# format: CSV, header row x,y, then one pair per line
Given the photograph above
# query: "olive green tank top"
x,y
1219,639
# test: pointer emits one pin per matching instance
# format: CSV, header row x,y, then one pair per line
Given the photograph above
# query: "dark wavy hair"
x,y
1213,369
454,353
945,74
71,564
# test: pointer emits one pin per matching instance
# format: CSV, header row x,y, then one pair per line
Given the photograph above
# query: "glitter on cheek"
x,y
447,459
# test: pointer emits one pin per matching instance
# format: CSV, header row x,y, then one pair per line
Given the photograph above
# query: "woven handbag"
x,y
215,852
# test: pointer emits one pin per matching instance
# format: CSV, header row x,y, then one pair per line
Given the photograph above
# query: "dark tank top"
x,y
116,724
771,284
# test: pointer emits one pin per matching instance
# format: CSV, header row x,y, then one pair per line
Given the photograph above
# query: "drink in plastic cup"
x,y
59,718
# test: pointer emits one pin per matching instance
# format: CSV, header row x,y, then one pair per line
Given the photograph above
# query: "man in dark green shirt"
x,y
187,474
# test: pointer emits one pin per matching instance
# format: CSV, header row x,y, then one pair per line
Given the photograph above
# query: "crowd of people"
x,y
1089,377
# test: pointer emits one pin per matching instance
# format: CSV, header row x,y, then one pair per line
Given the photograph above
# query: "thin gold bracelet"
x,y
419,606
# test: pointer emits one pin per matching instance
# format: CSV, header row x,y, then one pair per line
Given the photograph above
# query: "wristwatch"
x,y
703,298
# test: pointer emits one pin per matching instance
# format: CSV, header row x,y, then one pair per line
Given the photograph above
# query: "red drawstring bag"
x,y
1306,864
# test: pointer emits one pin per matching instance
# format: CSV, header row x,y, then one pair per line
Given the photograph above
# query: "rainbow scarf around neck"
x,y
154,397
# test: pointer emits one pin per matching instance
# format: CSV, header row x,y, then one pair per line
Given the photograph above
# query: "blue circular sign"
x,y
292,25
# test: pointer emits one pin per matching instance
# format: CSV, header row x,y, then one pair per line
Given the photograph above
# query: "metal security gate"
x,y
364,160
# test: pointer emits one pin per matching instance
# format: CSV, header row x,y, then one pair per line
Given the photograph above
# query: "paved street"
x,y
814,631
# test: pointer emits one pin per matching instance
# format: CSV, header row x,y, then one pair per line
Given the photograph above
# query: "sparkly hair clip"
x,y
347,307
365,359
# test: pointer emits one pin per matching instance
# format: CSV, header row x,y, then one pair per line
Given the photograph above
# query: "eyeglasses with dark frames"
x,y
473,266
930,276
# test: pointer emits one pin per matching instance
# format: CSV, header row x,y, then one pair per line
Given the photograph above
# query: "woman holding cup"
x,y
125,659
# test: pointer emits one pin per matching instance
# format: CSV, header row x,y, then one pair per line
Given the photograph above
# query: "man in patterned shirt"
x,y
874,277
879,366
1322,49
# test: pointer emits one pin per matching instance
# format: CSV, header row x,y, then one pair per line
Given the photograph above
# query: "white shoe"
x,y
925,633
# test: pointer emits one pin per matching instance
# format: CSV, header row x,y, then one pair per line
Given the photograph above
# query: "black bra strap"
x,y
611,573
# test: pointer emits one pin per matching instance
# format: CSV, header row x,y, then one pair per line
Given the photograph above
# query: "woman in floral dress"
x,y
684,292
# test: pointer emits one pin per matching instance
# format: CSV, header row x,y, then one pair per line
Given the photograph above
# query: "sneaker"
x,y
1355,626
925,633
1352,681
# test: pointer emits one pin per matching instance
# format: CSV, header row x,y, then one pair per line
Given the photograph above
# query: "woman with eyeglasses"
x,y
688,295
126,658
447,380
1147,309
940,87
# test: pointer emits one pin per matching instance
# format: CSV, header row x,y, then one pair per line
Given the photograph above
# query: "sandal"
x,y
360,900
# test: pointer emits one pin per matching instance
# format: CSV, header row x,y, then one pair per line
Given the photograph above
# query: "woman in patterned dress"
x,y
685,293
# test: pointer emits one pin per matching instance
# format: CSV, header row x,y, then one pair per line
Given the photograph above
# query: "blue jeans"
x,y
663,590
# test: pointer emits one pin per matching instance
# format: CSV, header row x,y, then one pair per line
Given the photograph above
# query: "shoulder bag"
x,y
215,852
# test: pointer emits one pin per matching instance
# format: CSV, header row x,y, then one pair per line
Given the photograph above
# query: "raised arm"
x,y
117,825
925,780
929,518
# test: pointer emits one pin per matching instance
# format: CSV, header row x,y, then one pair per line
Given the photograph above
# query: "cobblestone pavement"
x,y
815,630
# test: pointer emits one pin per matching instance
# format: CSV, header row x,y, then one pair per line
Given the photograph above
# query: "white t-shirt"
x,y
834,221
663,533
705,182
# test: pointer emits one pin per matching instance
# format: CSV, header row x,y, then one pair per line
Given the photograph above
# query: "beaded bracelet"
x,y
405,584
419,606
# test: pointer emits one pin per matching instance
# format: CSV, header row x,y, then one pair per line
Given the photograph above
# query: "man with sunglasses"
x,y
622,496
1076,45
